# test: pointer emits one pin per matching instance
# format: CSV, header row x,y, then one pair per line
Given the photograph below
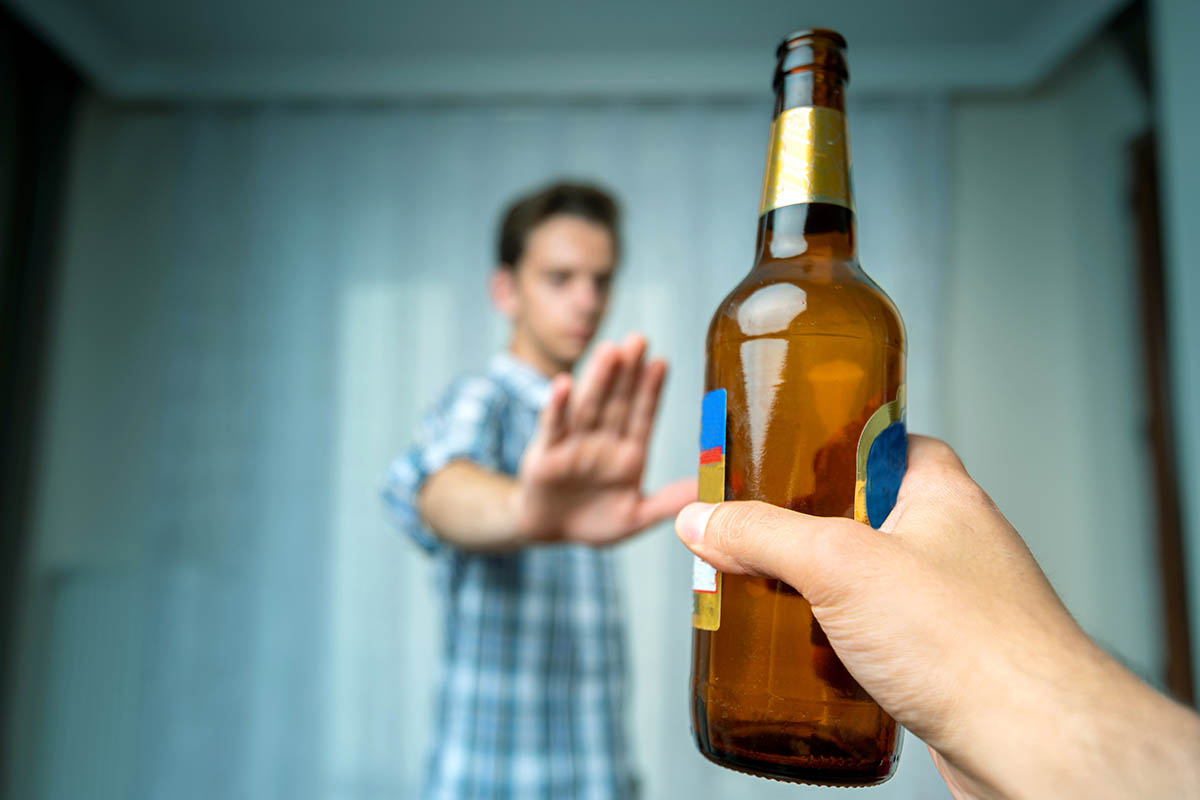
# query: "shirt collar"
x,y
525,381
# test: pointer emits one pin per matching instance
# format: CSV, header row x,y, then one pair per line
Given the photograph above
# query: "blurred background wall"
x,y
271,255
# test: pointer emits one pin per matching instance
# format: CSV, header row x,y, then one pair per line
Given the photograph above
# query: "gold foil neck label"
x,y
808,160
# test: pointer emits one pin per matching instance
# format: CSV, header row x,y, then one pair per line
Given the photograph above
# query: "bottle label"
x,y
808,160
882,459
880,464
706,581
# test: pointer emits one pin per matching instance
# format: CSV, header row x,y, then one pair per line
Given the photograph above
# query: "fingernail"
x,y
692,520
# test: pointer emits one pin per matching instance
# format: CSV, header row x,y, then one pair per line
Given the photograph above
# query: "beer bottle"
x,y
803,408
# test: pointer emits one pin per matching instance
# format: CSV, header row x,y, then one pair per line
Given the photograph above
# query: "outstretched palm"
x,y
581,476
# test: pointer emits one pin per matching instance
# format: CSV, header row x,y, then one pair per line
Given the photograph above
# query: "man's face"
x,y
558,292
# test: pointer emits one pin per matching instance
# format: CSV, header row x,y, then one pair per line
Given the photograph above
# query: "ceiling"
x,y
239,49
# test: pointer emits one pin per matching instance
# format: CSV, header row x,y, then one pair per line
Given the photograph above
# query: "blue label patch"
x,y
886,461
882,459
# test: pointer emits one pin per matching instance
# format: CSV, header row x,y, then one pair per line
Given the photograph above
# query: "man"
x,y
517,477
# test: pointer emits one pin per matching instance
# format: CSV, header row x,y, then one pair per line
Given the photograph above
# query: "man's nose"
x,y
587,298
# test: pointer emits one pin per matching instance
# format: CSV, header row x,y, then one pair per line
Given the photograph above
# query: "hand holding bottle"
x,y
944,617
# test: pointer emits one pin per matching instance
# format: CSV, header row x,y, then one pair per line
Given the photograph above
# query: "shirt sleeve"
x,y
463,425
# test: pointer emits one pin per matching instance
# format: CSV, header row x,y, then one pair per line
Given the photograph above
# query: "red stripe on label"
x,y
712,455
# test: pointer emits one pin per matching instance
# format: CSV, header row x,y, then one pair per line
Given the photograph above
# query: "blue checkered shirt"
x,y
532,698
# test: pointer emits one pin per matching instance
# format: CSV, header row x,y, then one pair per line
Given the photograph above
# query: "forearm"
x,y
1142,744
472,507
1102,734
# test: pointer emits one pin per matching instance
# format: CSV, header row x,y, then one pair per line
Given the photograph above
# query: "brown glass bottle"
x,y
809,352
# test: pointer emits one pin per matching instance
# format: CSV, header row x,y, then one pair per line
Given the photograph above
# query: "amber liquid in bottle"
x,y
808,349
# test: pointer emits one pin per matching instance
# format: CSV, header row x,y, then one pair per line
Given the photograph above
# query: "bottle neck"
x,y
807,202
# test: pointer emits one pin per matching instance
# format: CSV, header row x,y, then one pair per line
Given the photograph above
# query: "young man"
x,y
517,476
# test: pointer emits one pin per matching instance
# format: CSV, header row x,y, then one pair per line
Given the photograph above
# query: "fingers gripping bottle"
x,y
804,408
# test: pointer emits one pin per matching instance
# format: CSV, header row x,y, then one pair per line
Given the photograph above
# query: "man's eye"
x,y
558,278
603,283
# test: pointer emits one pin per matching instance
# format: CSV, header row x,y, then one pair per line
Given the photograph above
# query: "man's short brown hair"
x,y
577,199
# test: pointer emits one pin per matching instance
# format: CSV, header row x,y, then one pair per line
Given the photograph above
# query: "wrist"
x,y
519,519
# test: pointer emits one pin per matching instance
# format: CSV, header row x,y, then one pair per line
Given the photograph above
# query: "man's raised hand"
x,y
580,478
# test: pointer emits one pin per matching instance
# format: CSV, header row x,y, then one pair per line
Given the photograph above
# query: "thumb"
x,y
664,503
753,538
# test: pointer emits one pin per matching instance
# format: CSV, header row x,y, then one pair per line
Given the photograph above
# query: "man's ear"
x,y
503,289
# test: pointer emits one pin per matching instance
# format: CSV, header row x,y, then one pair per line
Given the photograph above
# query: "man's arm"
x,y
580,478
471,507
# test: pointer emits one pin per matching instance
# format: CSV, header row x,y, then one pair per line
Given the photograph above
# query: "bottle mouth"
x,y
811,49
807,34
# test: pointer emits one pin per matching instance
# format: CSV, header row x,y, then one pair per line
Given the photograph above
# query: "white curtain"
x,y
256,304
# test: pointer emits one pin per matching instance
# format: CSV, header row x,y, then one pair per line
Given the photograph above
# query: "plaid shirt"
x,y
532,699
